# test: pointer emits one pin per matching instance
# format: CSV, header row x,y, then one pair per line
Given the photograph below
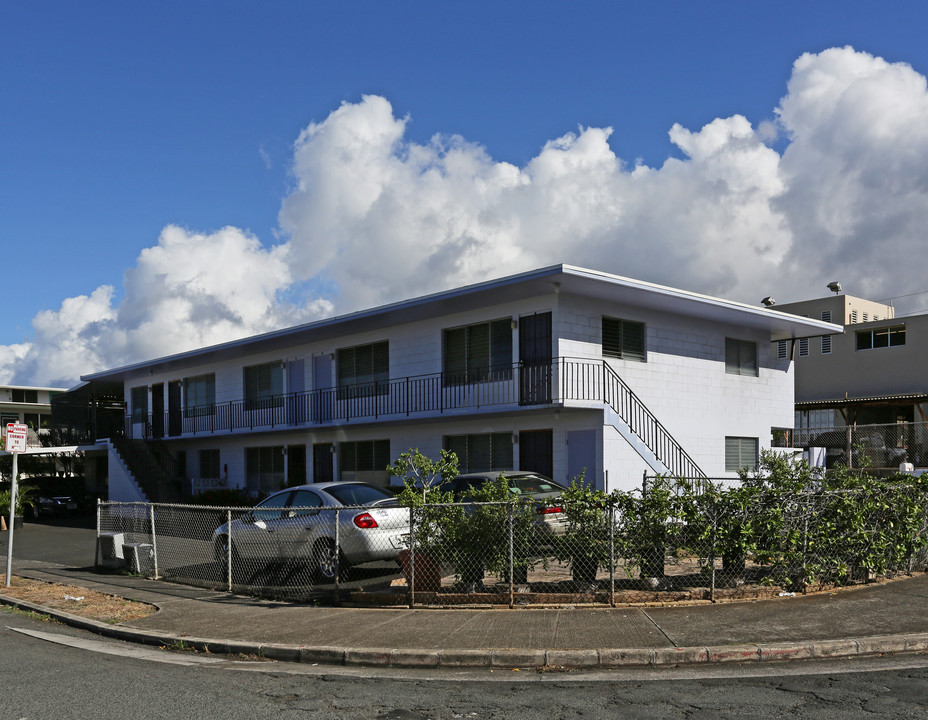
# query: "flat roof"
x,y
544,281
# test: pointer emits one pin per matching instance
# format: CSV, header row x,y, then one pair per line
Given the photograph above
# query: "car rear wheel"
x,y
329,561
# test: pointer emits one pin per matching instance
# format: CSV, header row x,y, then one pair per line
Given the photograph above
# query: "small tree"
x,y
422,490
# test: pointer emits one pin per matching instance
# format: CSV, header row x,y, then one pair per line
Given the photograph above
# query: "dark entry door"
x,y
536,451
535,359
157,411
323,462
174,410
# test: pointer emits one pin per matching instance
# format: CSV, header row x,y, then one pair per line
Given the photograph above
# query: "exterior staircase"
x,y
146,461
644,432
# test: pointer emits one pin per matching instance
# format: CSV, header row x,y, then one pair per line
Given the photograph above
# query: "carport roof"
x,y
545,281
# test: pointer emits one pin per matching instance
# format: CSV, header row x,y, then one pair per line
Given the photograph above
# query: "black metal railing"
x,y
540,384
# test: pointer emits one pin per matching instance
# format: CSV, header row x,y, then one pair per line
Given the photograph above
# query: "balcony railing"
x,y
421,395
521,385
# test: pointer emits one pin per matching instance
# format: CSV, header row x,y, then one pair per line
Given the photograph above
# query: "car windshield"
x,y
357,494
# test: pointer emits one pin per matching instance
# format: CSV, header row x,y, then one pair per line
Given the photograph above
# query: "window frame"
x,y
738,361
373,376
499,451
625,340
753,445
263,392
191,385
364,455
209,458
477,352
893,334
139,413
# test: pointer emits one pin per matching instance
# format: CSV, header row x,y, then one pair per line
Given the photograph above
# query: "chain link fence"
x,y
883,446
658,545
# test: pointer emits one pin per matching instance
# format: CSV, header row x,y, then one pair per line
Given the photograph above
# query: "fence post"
x,y
338,567
154,538
412,560
96,554
511,559
611,554
229,554
715,526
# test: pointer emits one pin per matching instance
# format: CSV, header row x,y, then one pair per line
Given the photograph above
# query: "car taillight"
x,y
365,521
550,510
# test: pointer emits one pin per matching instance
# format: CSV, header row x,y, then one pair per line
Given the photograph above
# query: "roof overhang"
x,y
545,281
902,399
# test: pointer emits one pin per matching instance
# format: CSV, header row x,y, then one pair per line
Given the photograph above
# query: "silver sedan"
x,y
299,523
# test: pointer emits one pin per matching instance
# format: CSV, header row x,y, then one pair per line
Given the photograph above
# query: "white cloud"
x,y
374,217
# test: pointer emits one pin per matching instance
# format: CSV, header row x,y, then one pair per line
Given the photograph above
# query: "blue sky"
x,y
118,120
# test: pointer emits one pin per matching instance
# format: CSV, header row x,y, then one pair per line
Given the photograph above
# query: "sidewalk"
x,y
887,618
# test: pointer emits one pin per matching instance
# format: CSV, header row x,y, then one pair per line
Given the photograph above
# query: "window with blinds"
x,y
200,395
363,370
623,339
481,452
477,353
364,455
826,344
264,385
740,357
740,453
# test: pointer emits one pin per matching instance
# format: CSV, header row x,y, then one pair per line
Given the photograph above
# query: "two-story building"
x,y
561,370
28,405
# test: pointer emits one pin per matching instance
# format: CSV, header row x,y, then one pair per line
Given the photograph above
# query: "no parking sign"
x,y
16,437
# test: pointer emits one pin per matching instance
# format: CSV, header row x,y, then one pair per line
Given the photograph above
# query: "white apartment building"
x,y
561,370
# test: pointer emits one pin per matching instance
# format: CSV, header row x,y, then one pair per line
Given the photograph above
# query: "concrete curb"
x,y
609,658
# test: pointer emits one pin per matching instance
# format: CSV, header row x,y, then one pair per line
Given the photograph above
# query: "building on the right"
x,y
873,375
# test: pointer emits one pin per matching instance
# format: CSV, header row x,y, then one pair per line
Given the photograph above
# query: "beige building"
x,y
873,374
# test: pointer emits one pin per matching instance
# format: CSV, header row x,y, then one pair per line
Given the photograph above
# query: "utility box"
x,y
109,550
140,558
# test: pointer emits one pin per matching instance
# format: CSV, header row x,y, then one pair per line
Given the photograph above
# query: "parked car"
x,y
550,520
54,496
298,524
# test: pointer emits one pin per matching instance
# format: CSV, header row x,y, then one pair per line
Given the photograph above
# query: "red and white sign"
x,y
16,437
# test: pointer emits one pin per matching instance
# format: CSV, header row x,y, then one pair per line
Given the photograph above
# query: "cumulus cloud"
x,y
373,217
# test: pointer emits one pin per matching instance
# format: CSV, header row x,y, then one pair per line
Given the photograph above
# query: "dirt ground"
x,y
75,600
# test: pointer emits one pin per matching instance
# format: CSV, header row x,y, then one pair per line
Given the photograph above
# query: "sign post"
x,y
15,443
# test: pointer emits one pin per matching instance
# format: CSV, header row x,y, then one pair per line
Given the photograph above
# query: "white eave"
x,y
545,281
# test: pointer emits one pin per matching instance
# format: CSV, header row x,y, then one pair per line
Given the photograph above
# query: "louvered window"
x,y
482,452
264,385
803,347
477,353
623,339
782,349
740,453
363,370
740,357
826,344
364,455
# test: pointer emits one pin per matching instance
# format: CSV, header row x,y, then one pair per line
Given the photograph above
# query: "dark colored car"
x,y
54,496
549,518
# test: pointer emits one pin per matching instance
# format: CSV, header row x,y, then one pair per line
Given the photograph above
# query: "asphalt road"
x,y
108,679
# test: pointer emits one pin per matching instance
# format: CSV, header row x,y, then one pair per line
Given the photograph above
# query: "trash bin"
x,y
140,558
109,547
